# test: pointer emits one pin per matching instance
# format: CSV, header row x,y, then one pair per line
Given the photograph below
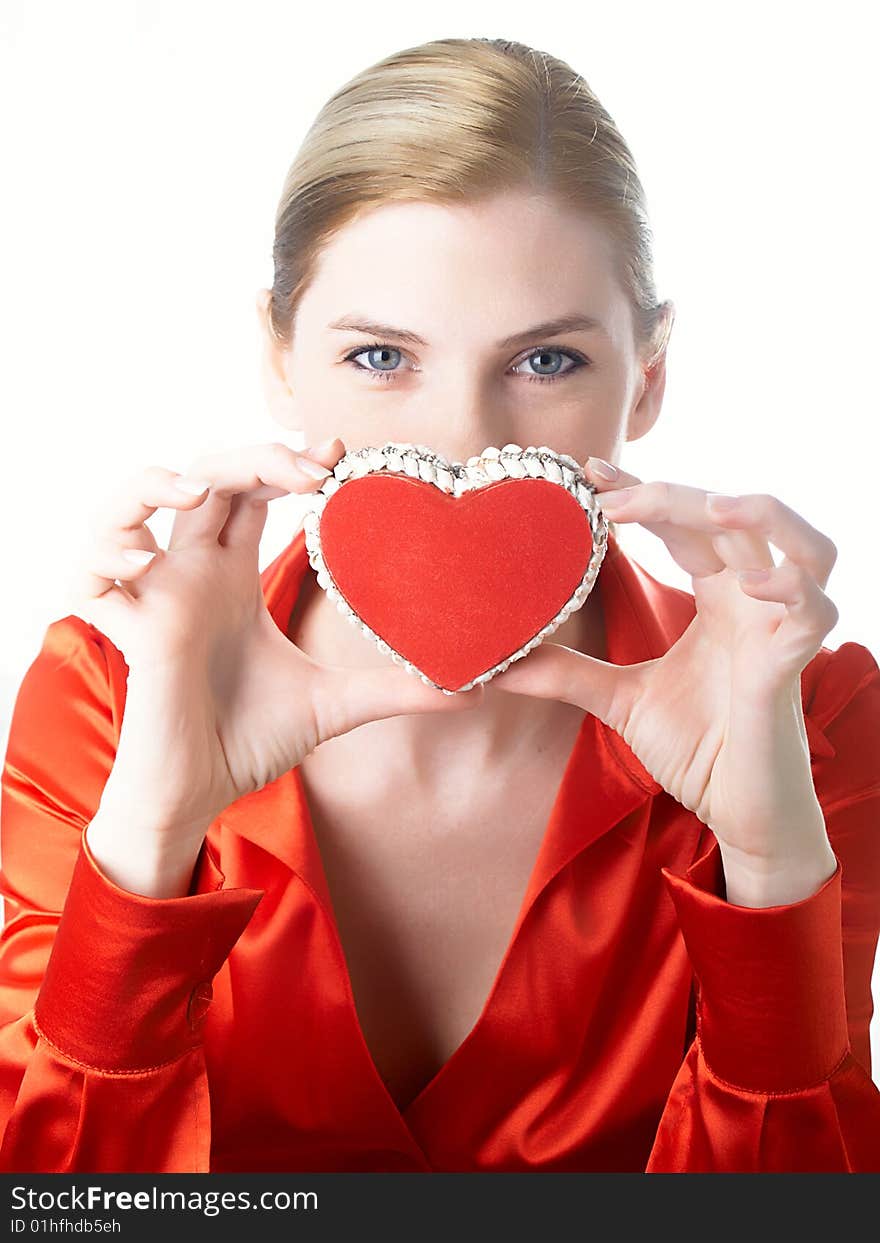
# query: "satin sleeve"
x,y
104,993
778,1078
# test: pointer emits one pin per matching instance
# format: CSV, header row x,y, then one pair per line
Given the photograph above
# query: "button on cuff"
x,y
118,993
199,1003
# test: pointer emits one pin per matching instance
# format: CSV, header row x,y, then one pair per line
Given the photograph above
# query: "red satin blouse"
x,y
218,1032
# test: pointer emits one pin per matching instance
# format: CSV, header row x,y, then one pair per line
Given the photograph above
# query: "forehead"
x,y
431,267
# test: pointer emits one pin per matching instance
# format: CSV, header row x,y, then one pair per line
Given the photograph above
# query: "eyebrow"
x,y
550,328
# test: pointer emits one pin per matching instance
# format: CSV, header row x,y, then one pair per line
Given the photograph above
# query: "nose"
x,y
466,417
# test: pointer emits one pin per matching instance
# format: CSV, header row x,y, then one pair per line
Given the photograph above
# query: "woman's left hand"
x,y
718,720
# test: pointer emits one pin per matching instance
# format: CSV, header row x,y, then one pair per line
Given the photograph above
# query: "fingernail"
x,y
752,576
324,447
139,556
313,469
195,487
721,500
604,469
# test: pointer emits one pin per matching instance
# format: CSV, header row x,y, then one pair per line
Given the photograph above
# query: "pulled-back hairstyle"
x,y
452,121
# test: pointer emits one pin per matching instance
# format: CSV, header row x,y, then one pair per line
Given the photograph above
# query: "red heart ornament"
x,y
455,571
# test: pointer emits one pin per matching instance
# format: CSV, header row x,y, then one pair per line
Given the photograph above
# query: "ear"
x,y
646,408
276,386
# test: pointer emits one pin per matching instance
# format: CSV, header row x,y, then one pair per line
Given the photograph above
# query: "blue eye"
x,y
377,370
577,361
376,347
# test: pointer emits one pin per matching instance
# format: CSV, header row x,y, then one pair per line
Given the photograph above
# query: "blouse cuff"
x,y
771,1001
128,981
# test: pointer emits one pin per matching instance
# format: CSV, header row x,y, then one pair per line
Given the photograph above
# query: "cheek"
x,y
569,412
336,402
323,404
586,425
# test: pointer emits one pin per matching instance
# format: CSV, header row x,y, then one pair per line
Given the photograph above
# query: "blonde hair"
x,y
455,120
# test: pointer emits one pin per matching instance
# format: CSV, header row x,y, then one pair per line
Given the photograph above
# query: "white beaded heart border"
x,y
453,478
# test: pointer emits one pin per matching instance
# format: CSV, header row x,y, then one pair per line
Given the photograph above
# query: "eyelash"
x,y
576,357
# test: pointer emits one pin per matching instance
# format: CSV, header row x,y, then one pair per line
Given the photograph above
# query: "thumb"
x,y
553,671
351,697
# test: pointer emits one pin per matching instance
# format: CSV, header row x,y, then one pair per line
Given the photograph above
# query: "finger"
x,y
262,472
346,698
106,582
624,500
109,563
247,513
119,524
103,611
137,499
777,523
681,516
244,525
103,572
554,671
809,613
106,577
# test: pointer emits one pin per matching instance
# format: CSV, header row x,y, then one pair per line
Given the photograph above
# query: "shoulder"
x,y
72,691
70,659
841,698
74,659
61,747
67,638
839,676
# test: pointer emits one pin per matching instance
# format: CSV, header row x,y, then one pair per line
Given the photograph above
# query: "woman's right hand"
x,y
219,702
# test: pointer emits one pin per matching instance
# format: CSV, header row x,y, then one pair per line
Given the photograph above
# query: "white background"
x,y
144,147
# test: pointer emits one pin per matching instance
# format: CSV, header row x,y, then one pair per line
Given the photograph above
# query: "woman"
x,y
275,904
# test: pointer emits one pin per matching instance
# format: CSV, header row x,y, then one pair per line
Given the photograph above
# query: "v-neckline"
x,y
539,876
597,753
526,902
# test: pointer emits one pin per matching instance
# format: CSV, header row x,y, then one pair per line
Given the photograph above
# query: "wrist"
x,y
763,882
142,859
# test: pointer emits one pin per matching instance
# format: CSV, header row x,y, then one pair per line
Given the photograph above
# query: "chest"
x,y
426,899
